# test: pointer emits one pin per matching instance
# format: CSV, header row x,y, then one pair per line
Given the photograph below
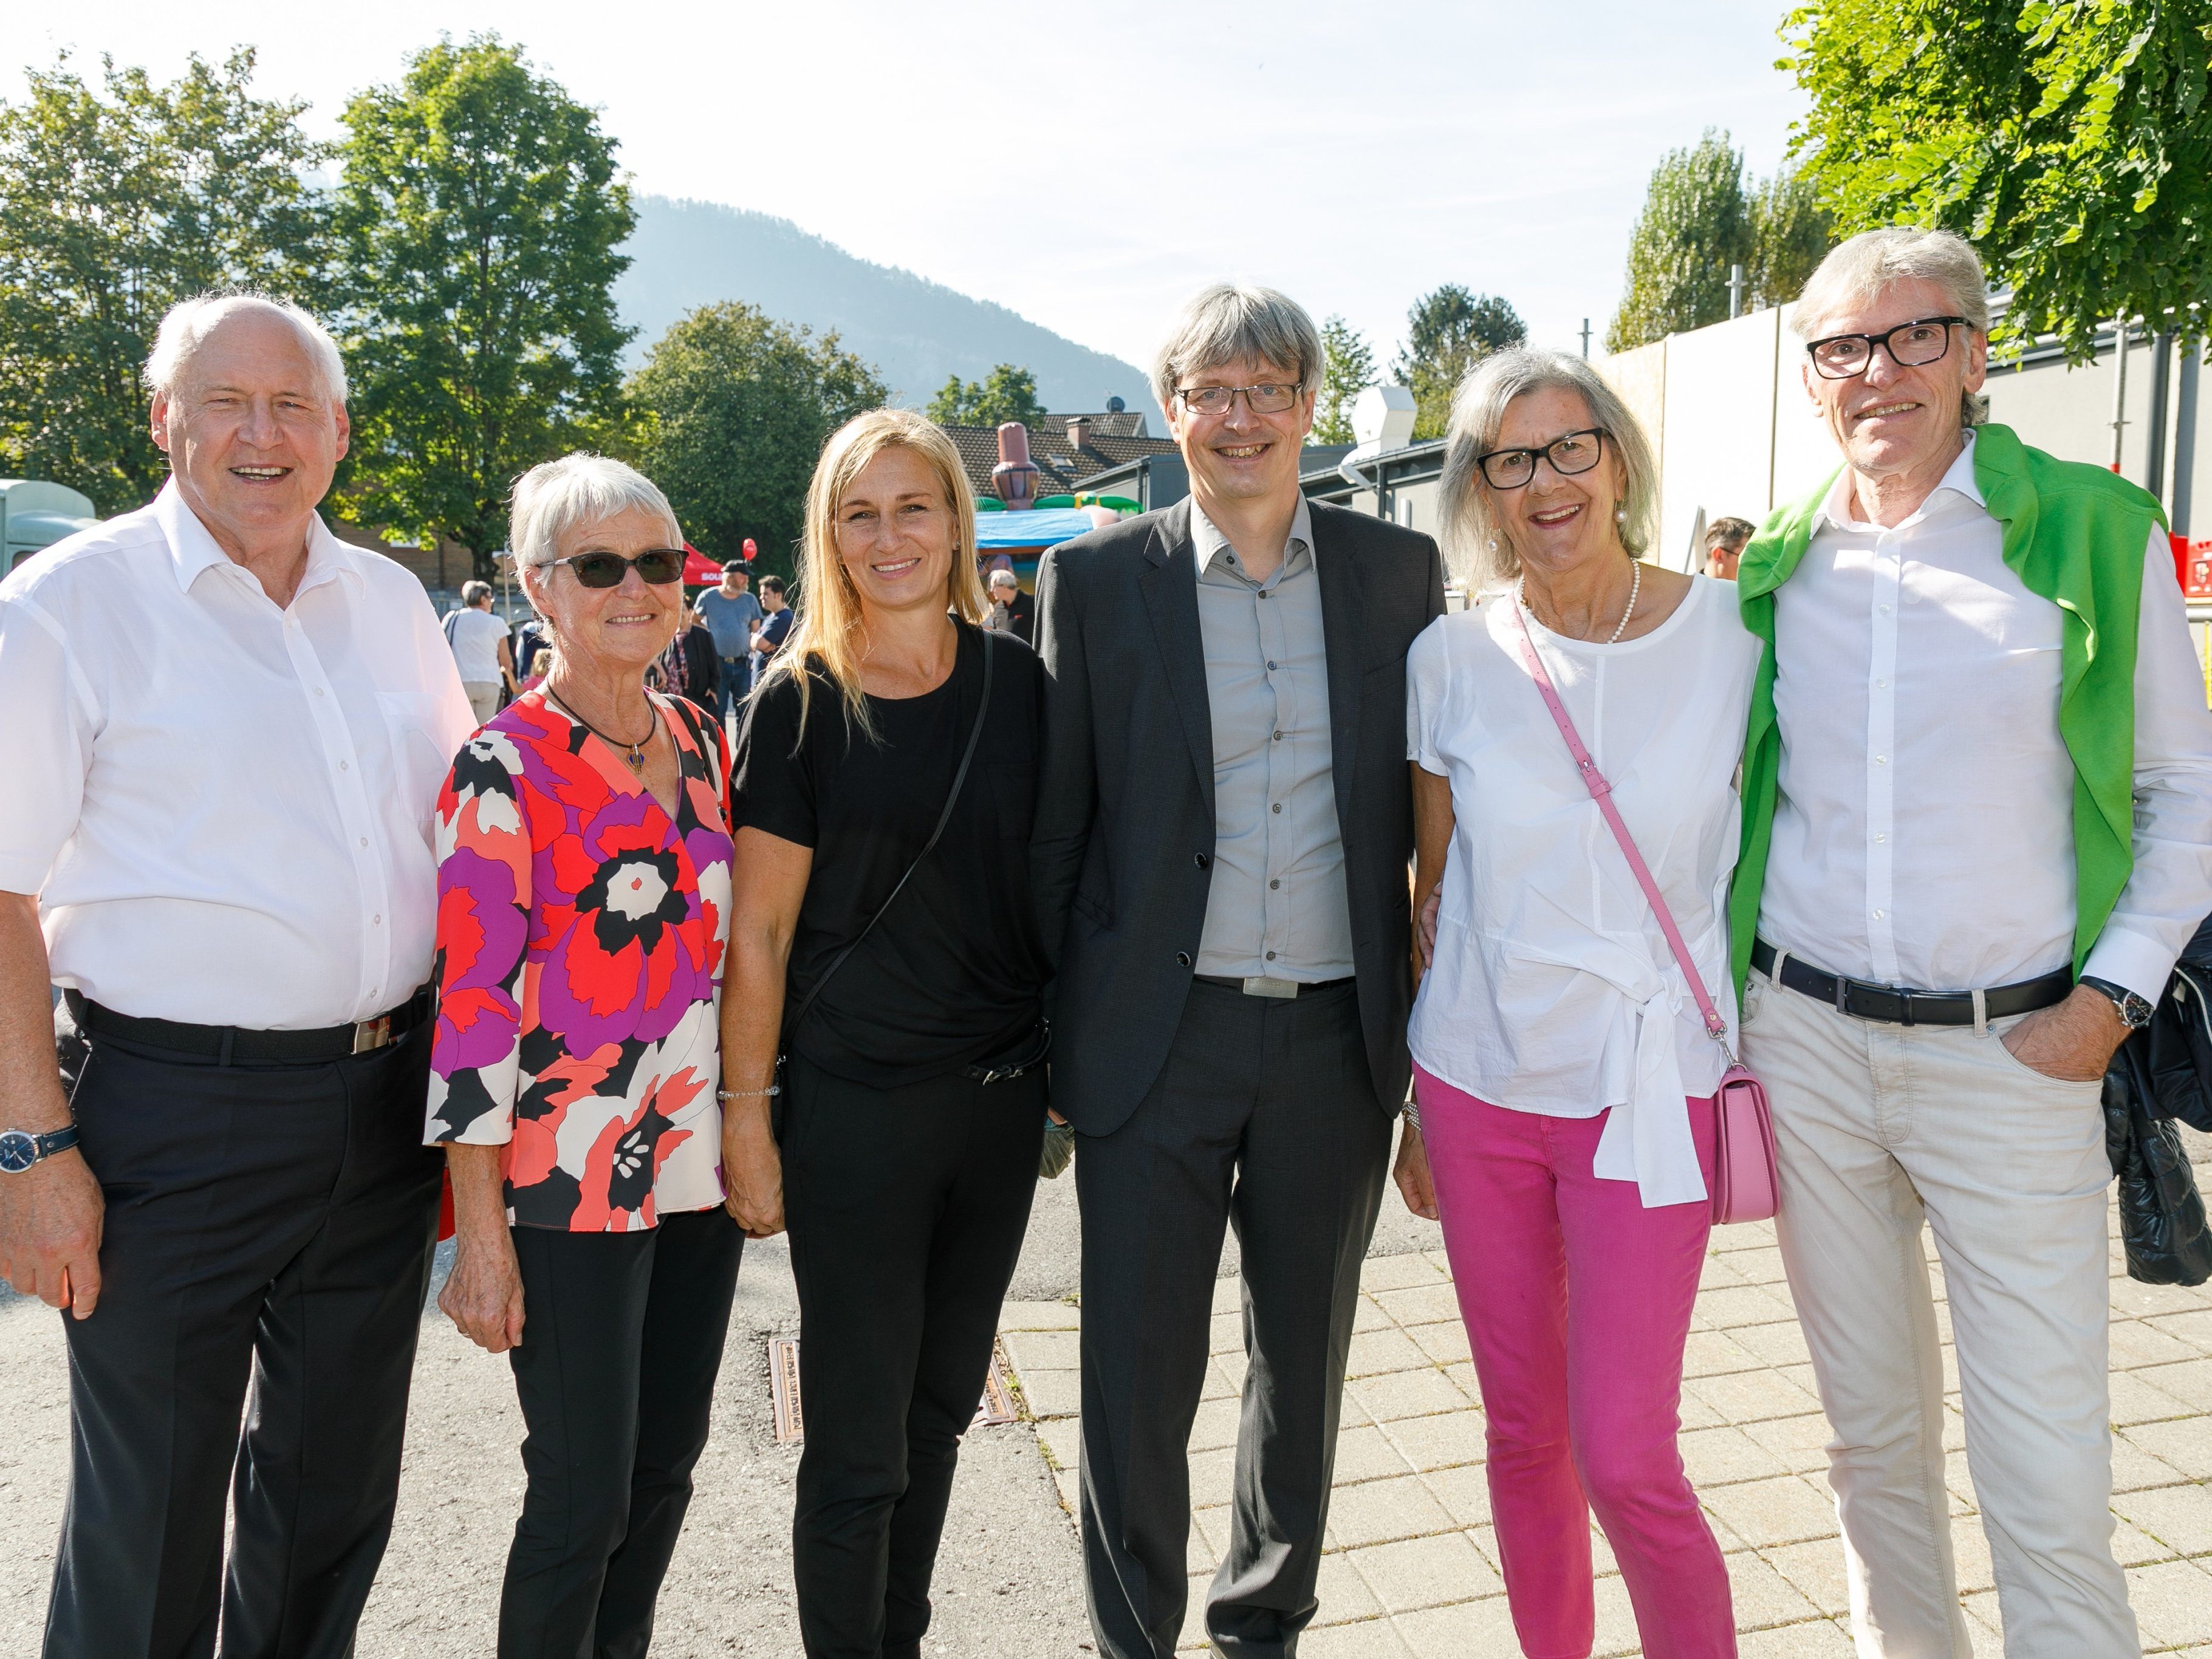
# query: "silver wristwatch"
x,y
2133,1009
19,1148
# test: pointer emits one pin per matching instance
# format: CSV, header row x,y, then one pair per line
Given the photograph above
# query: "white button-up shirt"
x,y
224,808
1924,835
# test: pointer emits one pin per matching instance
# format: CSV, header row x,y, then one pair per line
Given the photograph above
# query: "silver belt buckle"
x,y
371,1034
1259,985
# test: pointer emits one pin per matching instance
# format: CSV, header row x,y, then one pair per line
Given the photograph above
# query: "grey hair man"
x,y
1011,612
481,650
1223,821
222,850
1977,779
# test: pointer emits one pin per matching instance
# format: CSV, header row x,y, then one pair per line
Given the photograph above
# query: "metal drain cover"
x,y
996,1406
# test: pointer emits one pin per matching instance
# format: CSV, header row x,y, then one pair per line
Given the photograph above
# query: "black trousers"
x,y
265,1222
622,1340
906,1208
1263,1115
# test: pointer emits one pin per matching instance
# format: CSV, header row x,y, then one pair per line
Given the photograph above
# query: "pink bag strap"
x,y
1602,792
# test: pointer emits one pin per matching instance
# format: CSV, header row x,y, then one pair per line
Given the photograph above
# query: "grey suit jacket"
x,y
1123,847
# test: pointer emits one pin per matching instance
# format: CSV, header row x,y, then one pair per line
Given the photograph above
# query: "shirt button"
x,y
1881,760
1277,807
318,691
1278,737
1271,956
1182,958
345,766
1881,685
1885,609
378,921
1275,882
1200,859
1271,665
1877,915
364,840
1879,838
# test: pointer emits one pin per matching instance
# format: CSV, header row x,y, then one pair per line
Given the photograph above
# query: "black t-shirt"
x,y
954,972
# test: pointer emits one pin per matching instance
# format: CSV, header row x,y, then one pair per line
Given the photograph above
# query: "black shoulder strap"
x,y
960,777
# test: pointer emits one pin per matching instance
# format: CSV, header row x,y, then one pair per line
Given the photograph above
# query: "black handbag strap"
x,y
959,778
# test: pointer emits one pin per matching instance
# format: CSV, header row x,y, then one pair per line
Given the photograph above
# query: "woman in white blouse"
x,y
1563,1077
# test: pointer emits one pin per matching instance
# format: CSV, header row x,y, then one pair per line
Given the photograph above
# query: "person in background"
x,y
1013,612
532,654
220,843
731,613
1563,1072
775,625
691,666
1724,540
1223,832
1979,764
481,651
584,892
916,1109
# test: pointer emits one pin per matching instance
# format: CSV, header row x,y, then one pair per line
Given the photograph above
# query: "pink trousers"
x,y
1577,1300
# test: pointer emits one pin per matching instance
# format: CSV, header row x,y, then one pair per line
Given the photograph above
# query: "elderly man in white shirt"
x,y
1977,787
217,840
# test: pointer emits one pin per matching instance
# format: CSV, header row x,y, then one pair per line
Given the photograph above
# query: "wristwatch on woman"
x,y
19,1149
2133,1009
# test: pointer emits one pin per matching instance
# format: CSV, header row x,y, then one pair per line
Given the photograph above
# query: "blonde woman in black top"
x,y
906,1152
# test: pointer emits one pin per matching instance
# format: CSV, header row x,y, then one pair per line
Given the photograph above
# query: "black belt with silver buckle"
x,y
229,1045
1896,1005
1260,986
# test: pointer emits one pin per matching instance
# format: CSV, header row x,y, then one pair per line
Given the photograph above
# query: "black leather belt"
x,y
229,1045
1895,1006
1261,987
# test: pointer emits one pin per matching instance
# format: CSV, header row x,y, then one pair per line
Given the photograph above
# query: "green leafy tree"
x,y
1348,370
1448,333
1006,394
2071,142
480,211
116,201
1696,222
734,408
1790,233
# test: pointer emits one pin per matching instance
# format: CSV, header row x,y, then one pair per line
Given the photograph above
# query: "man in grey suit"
x,y
1223,821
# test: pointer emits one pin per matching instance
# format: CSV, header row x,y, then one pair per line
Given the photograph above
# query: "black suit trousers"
x,y
1263,1116
269,1225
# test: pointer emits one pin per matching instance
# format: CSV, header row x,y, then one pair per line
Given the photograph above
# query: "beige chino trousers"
x,y
1880,1128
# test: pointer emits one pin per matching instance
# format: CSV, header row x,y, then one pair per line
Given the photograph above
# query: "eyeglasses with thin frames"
x,y
1268,399
1910,346
1570,454
656,566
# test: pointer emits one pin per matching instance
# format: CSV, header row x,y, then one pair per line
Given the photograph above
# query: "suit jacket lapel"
x,y
1170,584
1343,630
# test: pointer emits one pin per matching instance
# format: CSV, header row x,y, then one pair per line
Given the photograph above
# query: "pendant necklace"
x,y
632,754
1635,587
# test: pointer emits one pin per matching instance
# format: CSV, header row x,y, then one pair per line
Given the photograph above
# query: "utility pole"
x,y
1735,290
1585,339
2119,388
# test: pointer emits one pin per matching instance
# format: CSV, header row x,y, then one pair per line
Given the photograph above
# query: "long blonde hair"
x,y
828,634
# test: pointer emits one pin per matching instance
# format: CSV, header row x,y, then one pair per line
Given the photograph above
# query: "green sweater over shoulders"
x,y
2074,534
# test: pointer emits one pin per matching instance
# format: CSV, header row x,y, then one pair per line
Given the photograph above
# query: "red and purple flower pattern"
x,y
580,937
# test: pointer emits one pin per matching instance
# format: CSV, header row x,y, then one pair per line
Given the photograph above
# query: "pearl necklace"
x,y
1635,587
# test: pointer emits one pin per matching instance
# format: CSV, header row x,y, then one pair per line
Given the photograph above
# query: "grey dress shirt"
x,y
1276,906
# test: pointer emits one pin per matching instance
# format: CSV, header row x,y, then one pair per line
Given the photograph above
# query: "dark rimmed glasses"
x,y
657,566
1570,454
1909,345
1268,399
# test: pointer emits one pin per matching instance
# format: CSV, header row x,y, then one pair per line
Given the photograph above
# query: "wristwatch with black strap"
x,y
19,1148
2133,1009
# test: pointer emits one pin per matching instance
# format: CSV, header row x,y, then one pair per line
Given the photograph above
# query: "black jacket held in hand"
x,y
1123,850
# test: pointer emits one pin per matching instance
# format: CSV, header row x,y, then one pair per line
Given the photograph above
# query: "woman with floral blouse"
x,y
583,912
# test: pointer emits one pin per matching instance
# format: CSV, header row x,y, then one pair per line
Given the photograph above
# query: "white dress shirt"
x,y
1923,833
1552,989
225,809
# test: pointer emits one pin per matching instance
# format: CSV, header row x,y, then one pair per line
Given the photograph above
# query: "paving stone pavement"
x,y
1411,1567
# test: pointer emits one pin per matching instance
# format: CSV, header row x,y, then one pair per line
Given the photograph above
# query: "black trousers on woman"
x,y
622,1339
906,1208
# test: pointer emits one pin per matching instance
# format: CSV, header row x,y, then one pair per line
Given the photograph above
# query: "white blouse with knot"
x,y
1552,990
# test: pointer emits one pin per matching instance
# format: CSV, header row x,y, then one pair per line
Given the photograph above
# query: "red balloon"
x,y
752,552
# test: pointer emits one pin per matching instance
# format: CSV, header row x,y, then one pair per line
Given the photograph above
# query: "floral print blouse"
x,y
580,936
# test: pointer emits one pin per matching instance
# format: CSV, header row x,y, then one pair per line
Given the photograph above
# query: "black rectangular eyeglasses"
x,y
1568,453
1909,345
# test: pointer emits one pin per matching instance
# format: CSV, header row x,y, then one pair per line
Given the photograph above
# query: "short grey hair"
x,y
554,497
1005,579
472,591
1863,266
1480,552
188,322
1232,321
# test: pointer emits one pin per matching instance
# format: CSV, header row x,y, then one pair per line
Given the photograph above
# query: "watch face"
x,y
18,1151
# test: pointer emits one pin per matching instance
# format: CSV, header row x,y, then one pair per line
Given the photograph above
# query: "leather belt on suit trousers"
x,y
234,1045
1896,1005
1259,985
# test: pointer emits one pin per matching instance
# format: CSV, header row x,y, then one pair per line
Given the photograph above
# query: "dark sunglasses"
x,y
658,566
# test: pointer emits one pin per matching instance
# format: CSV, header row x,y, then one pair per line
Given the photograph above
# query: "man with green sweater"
x,y
1977,799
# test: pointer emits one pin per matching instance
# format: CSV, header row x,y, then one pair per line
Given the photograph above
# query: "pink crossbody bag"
x,y
1744,1188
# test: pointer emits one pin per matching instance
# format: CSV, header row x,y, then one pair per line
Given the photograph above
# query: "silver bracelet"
x,y
748,1094
1413,1117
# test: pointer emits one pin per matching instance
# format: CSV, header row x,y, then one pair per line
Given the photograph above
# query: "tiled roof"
x,y
1059,471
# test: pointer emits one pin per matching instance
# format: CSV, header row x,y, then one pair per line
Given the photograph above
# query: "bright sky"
x,y
1089,164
